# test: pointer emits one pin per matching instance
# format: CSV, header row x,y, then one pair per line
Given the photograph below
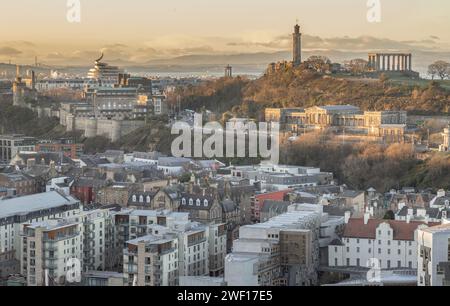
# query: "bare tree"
x,y
320,64
440,69
358,65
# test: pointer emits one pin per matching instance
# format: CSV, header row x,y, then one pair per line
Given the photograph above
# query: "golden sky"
x,y
140,30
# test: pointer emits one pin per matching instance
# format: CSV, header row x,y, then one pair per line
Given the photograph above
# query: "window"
x,y
348,262
205,203
198,202
183,201
399,264
191,202
357,251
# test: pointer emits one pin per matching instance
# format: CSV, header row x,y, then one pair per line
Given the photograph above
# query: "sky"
x,y
143,30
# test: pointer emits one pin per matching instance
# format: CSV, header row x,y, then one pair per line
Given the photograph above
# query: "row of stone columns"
x,y
390,62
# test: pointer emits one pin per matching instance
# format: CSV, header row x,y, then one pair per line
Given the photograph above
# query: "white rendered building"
x,y
434,256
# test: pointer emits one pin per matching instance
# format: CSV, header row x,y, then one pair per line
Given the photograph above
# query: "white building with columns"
x,y
390,61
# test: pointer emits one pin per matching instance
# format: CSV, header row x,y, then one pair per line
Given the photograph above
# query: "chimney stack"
x,y
366,218
408,219
31,162
410,212
348,215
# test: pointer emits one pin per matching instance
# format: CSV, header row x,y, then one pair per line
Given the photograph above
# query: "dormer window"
x,y
134,198
148,199
141,199
191,202
183,201
205,203
198,202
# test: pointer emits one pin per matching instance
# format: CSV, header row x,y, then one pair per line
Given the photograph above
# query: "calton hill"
x,y
313,83
361,165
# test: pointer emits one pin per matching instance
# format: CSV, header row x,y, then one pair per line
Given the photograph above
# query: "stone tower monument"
x,y
297,46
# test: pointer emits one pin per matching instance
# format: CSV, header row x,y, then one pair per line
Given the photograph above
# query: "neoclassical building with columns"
x,y
392,63
391,126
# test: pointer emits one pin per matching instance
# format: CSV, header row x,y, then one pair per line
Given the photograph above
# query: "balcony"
x,y
192,243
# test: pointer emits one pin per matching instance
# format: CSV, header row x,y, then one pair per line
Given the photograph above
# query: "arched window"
x,y
134,198
198,202
148,199
205,203
183,201
191,202
141,199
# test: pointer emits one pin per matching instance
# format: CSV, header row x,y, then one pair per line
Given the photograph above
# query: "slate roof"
x,y
138,196
278,207
228,206
185,200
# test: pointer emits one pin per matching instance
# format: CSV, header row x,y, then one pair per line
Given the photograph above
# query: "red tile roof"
x,y
275,196
402,230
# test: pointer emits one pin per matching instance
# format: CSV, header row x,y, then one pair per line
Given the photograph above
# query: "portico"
x,y
390,61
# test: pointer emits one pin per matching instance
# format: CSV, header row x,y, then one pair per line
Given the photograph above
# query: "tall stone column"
x,y
398,62
410,62
377,68
388,62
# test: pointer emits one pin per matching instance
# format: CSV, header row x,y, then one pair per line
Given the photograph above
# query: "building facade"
x,y
393,244
10,145
433,268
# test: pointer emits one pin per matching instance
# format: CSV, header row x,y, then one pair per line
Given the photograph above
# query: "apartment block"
x,y
151,261
52,252
433,267
281,252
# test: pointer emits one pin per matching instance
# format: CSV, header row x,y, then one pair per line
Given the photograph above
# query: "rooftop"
x,y
27,204
438,229
402,230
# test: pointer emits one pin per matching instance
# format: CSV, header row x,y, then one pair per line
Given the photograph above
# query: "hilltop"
x,y
305,88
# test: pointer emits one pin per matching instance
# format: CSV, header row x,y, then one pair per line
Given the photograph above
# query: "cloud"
x,y
361,43
8,51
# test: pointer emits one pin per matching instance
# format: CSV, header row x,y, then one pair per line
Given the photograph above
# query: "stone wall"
x,y
113,129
